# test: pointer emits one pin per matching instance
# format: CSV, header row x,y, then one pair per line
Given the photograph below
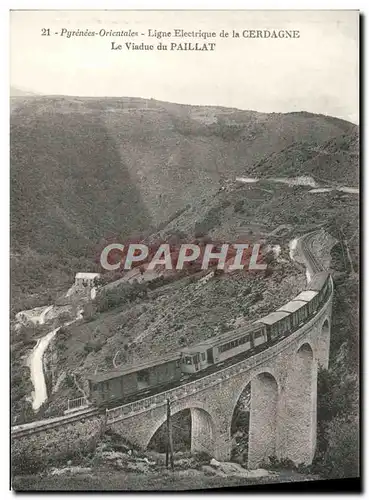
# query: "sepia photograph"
x,y
184,250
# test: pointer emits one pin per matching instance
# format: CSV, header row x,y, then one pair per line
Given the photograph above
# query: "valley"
x,y
86,172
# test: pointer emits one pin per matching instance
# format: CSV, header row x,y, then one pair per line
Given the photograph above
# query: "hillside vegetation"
x,y
334,162
86,170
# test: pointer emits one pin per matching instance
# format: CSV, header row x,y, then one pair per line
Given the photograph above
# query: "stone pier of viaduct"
x,y
283,409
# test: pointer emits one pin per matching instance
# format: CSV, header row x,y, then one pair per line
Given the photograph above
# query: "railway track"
x,y
38,426
305,245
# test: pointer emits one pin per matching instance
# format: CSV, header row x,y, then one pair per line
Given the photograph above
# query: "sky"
x,y
317,72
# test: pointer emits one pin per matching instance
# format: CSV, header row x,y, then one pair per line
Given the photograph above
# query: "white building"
x,y
85,279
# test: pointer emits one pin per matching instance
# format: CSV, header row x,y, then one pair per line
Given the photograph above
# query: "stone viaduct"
x,y
283,400
283,403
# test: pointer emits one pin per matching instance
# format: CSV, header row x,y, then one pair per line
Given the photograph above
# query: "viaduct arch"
x,y
203,432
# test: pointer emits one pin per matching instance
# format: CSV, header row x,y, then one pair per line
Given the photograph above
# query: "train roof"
x,y
101,377
306,295
317,281
273,317
292,306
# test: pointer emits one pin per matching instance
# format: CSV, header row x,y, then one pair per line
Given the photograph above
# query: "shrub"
x,y
342,456
238,207
69,381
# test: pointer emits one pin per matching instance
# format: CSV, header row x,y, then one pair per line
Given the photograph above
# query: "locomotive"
x,y
123,386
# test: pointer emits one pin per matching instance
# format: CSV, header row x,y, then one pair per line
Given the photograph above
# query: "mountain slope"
x,y
335,161
86,170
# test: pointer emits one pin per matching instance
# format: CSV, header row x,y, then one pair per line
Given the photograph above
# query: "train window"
x,y
188,360
177,363
226,347
143,376
203,356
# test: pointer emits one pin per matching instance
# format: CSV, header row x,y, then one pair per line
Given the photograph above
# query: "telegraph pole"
x,y
169,439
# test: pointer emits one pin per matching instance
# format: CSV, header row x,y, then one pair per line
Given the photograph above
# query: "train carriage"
x,y
240,340
277,323
220,348
320,284
194,359
311,298
298,310
118,384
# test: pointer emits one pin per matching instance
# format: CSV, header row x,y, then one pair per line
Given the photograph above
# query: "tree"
x,y
342,456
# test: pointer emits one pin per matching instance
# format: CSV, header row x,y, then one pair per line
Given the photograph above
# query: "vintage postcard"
x,y
184,249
